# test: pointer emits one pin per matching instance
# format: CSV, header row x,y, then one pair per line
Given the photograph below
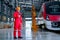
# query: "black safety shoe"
x,y
15,37
20,37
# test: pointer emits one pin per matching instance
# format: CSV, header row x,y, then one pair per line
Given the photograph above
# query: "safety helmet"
x,y
17,8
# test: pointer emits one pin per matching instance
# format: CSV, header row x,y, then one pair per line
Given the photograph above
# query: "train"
x,y
50,13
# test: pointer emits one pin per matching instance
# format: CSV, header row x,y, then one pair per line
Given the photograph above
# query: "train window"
x,y
53,9
41,11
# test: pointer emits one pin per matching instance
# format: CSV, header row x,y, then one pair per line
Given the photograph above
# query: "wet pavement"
x,y
27,34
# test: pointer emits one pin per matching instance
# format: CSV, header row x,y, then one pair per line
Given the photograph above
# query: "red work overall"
x,y
17,24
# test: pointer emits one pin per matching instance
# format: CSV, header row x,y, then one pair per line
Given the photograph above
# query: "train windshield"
x,y
53,9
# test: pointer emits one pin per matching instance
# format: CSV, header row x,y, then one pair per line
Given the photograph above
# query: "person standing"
x,y
17,23
34,24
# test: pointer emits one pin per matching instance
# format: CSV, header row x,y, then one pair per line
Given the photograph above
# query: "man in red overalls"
x,y
17,23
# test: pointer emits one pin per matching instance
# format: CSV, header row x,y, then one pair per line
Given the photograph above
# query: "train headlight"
x,y
54,24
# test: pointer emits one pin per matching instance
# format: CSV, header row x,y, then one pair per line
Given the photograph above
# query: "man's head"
x,y
17,8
